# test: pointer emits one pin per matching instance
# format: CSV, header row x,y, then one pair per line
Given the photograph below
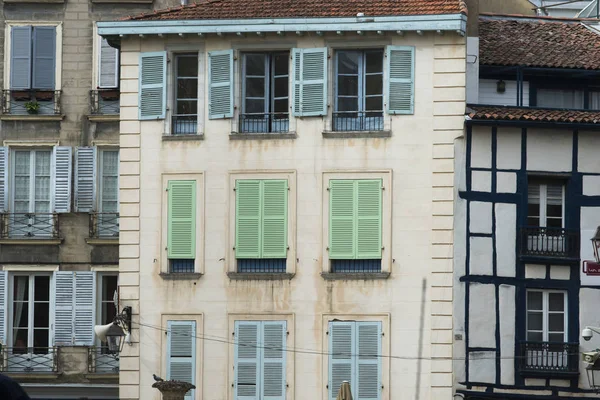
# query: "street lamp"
x,y
117,332
596,245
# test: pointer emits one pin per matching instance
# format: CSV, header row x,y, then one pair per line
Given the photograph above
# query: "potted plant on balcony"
x,y
32,107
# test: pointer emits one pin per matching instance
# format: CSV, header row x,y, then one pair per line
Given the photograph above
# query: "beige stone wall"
x,y
414,304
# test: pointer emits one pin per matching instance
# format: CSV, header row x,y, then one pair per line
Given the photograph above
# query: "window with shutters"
x,y
355,356
181,225
105,98
265,93
358,90
545,203
106,312
181,353
184,118
107,218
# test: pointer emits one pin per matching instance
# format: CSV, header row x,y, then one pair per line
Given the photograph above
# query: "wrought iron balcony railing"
x,y
29,226
344,121
32,359
31,102
264,123
100,361
104,225
549,242
184,124
105,102
548,358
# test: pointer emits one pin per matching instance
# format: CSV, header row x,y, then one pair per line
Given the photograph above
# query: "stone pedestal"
x,y
173,390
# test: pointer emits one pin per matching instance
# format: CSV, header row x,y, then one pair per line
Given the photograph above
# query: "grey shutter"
x,y
368,383
220,84
400,96
108,65
181,352
62,179
84,308
63,308
273,381
153,72
44,57
247,360
20,59
3,304
3,178
341,365
85,179
310,82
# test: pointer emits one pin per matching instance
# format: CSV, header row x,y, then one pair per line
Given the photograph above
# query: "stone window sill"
x,y
32,242
102,241
175,138
104,117
183,276
356,134
353,276
102,376
259,276
23,117
262,136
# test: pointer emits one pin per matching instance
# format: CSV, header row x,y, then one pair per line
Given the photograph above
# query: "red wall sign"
x,y
591,268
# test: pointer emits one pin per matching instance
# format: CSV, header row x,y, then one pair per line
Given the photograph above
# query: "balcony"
x,y
264,123
101,362
105,102
548,243
29,226
31,103
29,360
355,121
184,125
546,359
104,225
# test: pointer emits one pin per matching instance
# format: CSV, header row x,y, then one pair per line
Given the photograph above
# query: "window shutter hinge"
x,y
167,189
327,333
234,189
233,248
327,386
328,189
383,188
287,248
383,248
327,249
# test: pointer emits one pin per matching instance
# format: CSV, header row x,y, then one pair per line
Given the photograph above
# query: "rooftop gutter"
x,y
399,24
532,124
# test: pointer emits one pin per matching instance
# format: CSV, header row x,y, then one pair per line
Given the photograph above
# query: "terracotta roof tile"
x,y
243,9
491,113
538,42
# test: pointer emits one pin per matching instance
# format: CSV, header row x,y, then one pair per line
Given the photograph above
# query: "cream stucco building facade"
x,y
407,295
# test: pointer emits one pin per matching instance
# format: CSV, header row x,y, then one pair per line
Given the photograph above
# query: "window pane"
x,y
42,163
347,104
557,301
374,61
556,337
560,98
533,221
187,88
347,85
41,315
348,62
255,87
187,66
534,301
533,210
554,223
255,64
187,107
20,314
556,322
374,103
110,163
254,106
42,288
535,336
281,87
534,321
280,63
22,181
20,341
281,106
554,211
109,287
40,341
374,84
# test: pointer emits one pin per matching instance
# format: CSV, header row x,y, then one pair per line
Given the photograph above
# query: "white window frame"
x,y
99,66
544,203
175,57
362,75
546,312
12,170
100,191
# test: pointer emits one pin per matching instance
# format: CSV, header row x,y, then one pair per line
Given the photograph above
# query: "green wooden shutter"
x,y
248,204
273,381
342,231
247,360
401,78
220,84
20,58
310,82
368,218
153,72
368,383
181,236
181,353
341,348
274,218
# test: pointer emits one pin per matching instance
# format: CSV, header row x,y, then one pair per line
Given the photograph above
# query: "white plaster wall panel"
x,y
481,181
460,175
506,182
591,185
481,217
508,147
588,160
480,260
488,93
588,315
535,271
482,315
561,272
481,147
507,334
482,367
506,238
549,150
590,220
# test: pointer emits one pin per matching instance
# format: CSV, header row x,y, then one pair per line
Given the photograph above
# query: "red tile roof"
x,y
490,113
247,9
538,42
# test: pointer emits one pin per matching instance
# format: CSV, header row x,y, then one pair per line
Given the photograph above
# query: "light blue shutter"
x,y
220,84
20,60
84,308
400,96
3,303
63,308
44,57
85,179
3,178
62,179
247,360
153,72
273,382
181,352
368,384
310,82
341,346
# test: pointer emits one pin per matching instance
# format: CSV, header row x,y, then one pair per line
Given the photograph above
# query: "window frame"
x,y
98,63
100,186
543,190
175,81
362,78
12,177
546,312
99,301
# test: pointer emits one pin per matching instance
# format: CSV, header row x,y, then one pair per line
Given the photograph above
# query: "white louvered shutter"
x,y
3,304
220,84
84,308
63,308
62,179
3,179
273,382
310,82
85,179
108,65
247,360
400,96
153,77
341,347
368,382
181,353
